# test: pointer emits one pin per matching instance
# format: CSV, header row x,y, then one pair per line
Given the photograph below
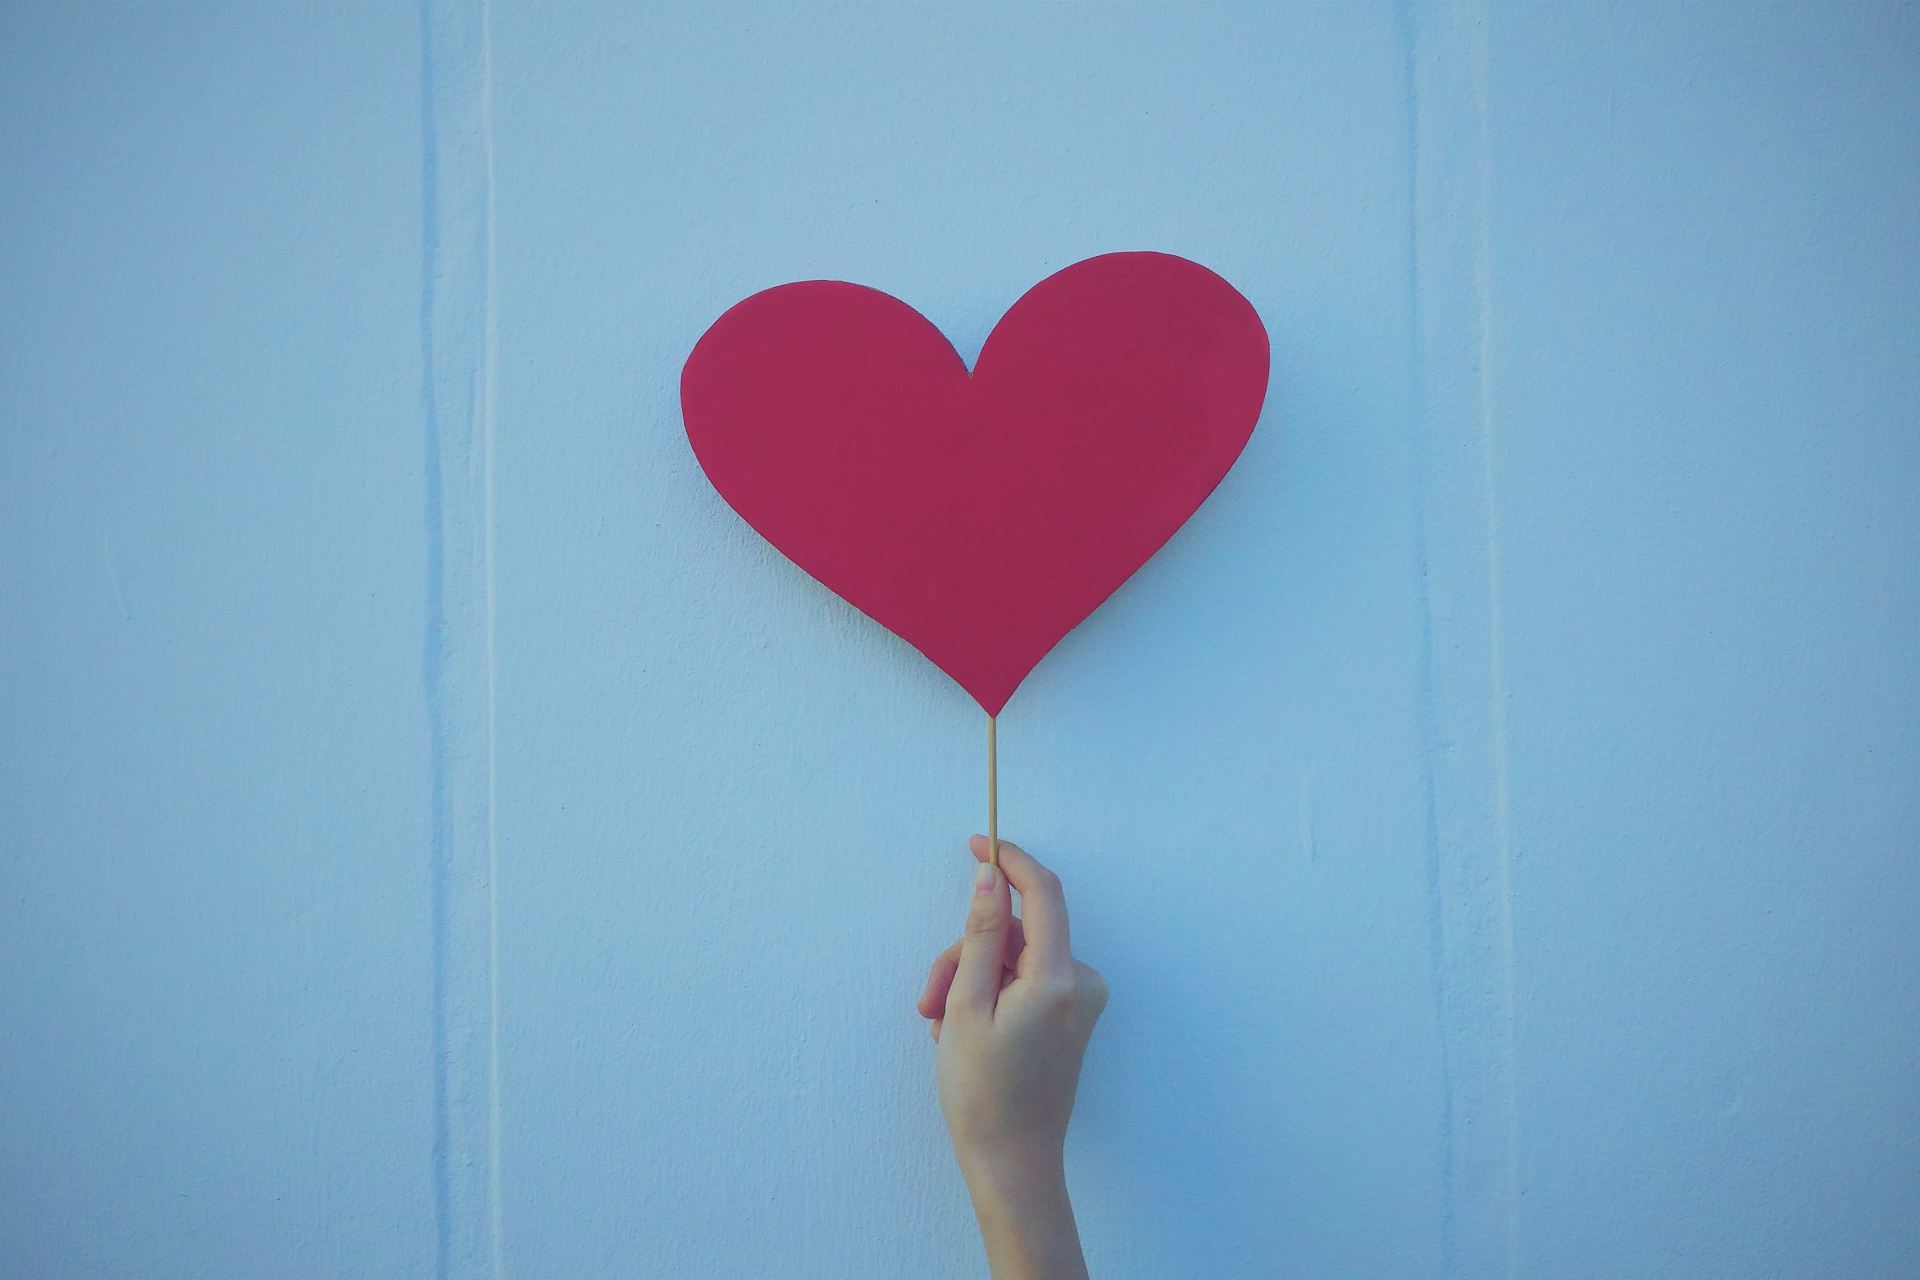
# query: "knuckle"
x,y
1093,986
1058,996
982,924
1058,993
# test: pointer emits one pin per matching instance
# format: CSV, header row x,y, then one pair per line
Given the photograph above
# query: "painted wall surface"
x,y
439,838
215,913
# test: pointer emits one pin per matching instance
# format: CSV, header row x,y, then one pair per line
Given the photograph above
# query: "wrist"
x,y
1026,1219
1003,1182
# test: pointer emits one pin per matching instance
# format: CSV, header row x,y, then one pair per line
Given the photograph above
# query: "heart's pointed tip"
x,y
990,698
991,703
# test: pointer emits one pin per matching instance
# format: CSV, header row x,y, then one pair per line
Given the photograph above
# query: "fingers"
x,y
933,1001
983,948
934,998
1043,907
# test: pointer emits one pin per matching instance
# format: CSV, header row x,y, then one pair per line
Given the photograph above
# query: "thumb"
x,y
976,983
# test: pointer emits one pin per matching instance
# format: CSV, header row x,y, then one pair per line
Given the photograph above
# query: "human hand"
x,y
1012,1011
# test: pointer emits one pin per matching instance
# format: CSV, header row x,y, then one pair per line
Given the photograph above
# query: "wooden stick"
x,y
993,800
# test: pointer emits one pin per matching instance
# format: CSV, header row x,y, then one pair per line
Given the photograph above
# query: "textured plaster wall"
x,y
439,839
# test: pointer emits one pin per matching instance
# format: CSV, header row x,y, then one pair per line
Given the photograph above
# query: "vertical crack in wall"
x,y
1469,843
457,351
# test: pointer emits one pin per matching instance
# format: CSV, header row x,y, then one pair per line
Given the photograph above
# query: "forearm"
x,y
1026,1223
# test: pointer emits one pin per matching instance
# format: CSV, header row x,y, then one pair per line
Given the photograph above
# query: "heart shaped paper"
x,y
979,516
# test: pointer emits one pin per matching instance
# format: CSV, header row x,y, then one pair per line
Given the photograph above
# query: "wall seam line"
x,y
458,335
490,357
1469,843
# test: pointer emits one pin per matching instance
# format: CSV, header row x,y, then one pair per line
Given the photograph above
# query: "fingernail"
x,y
983,878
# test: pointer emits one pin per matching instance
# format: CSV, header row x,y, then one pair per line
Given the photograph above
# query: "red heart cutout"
x,y
979,517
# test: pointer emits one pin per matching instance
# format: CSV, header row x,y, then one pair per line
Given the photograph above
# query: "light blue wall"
x,y
439,837
215,970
